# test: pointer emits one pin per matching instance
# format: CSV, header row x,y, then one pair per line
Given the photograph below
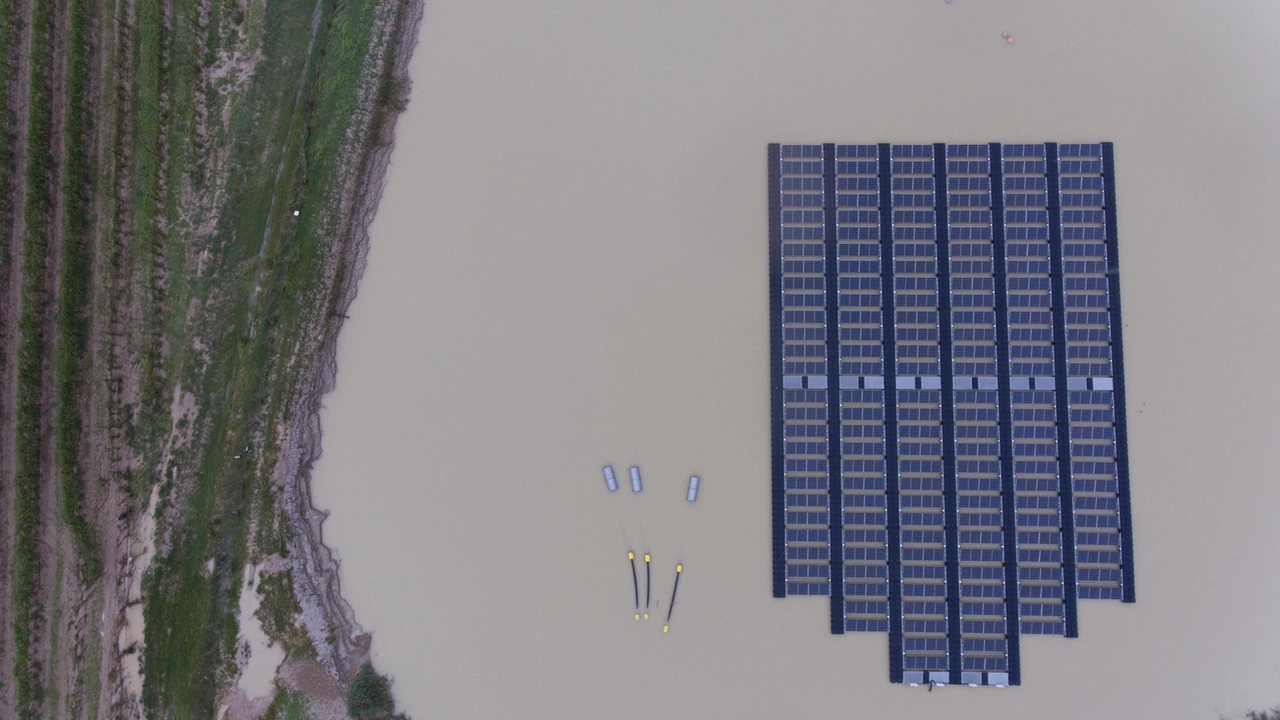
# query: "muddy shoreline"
x,y
316,567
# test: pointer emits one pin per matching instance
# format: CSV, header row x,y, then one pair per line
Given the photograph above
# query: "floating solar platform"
x,y
950,455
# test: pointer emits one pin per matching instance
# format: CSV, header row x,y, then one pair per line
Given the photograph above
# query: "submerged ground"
x,y
184,191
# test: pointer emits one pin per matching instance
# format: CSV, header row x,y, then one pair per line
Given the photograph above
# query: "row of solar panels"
x,y
982,150
953,150
954,167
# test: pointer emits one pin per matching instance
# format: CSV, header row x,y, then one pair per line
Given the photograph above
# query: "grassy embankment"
x,y
38,217
265,285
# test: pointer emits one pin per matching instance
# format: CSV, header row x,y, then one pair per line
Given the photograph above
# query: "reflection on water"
x,y
569,271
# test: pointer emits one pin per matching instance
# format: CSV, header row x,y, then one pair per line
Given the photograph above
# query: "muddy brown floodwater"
x,y
568,269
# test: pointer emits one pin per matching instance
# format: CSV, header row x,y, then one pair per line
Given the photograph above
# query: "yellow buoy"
x,y
646,616
637,616
666,628
679,568
631,555
646,557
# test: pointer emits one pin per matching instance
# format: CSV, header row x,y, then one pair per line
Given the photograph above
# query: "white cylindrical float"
x,y
609,479
635,479
693,489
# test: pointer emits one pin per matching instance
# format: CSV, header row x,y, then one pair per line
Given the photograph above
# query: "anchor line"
x,y
635,583
671,606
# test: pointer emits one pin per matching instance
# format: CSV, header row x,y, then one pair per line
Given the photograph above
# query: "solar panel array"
x,y
950,458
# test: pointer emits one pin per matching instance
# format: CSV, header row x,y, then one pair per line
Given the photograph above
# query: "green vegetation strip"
x,y
38,216
8,163
75,287
286,706
151,78
8,153
278,613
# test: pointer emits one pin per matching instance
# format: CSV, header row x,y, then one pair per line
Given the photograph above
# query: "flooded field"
x,y
569,270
